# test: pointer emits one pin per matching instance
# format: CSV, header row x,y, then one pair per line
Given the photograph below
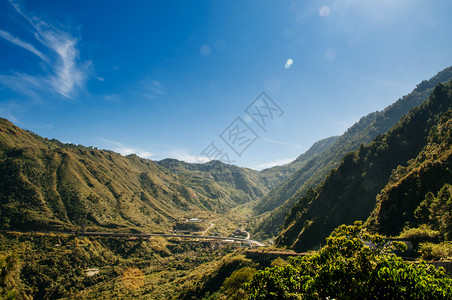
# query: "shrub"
x,y
348,269
430,251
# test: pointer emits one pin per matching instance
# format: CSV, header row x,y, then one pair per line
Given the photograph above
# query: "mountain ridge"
x,y
314,172
349,191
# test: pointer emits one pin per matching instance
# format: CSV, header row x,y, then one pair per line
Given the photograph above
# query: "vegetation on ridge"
x,y
349,192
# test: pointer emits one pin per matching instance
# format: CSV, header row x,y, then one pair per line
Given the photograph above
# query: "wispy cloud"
x,y
153,89
15,40
277,162
64,72
8,110
293,145
113,98
184,155
126,150
343,125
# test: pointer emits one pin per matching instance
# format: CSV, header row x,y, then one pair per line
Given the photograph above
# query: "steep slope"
x,y
216,179
285,190
409,185
238,185
348,193
47,184
315,170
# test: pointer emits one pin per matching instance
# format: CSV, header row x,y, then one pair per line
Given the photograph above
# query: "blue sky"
x,y
167,78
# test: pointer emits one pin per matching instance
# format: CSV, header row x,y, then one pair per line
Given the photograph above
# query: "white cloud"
x,y
277,162
126,150
8,110
18,42
156,87
184,155
65,73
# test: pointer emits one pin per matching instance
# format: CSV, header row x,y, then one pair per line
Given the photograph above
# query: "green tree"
x,y
233,285
352,265
438,210
9,271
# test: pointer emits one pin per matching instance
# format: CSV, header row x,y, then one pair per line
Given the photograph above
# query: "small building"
x,y
194,220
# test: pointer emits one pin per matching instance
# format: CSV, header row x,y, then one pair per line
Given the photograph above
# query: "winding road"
x,y
190,236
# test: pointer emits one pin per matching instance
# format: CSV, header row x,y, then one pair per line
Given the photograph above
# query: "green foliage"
x,y
431,251
209,278
420,234
233,285
401,203
54,266
9,271
346,268
438,210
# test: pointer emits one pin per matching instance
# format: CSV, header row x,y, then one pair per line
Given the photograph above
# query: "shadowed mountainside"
x,y
349,192
280,200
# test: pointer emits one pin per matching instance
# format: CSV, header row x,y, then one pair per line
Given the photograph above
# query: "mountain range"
x,y
46,184
276,204
384,181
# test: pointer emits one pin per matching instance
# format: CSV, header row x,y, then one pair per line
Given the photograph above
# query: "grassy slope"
x,y
47,184
287,188
216,179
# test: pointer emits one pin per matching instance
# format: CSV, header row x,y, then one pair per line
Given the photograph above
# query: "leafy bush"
x,y
422,233
346,268
233,285
430,251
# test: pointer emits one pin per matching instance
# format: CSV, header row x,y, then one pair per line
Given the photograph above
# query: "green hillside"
x,y
286,189
314,171
237,185
45,184
217,180
401,203
348,193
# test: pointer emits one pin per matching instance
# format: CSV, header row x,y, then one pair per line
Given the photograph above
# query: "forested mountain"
x,y
420,141
217,180
284,190
278,174
409,197
283,197
46,184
